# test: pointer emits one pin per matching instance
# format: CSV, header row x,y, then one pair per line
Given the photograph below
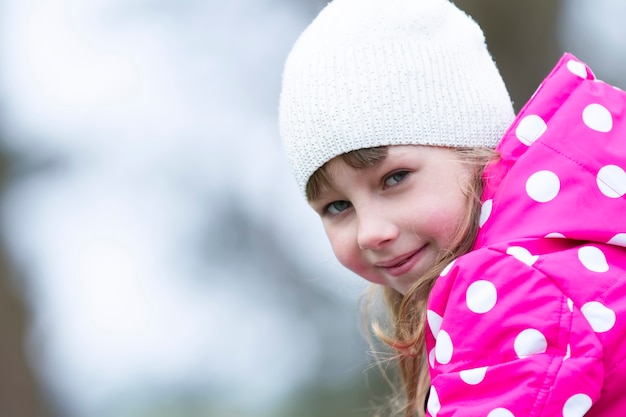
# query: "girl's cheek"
x,y
343,253
346,252
339,237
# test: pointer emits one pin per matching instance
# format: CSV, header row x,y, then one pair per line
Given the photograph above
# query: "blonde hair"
x,y
406,314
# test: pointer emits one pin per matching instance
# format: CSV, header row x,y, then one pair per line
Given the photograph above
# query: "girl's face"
x,y
389,222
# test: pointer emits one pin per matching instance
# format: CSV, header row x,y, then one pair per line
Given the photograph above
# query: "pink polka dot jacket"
x,y
532,322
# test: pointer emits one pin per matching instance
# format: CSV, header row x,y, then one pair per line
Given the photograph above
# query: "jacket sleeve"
x,y
504,341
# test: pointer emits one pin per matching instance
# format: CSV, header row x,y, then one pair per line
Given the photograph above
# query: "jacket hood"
x,y
562,172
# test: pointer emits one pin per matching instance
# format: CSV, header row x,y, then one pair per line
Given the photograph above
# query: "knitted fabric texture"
x,y
369,73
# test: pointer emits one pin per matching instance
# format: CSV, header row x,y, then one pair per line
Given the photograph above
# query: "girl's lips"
x,y
402,264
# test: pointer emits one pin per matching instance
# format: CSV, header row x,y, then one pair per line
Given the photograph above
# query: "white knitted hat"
x,y
369,73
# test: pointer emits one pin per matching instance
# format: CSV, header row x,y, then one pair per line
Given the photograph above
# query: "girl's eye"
x,y
337,207
395,178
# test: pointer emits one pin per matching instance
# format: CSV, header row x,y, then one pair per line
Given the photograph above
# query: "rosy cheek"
x,y
348,254
444,224
344,253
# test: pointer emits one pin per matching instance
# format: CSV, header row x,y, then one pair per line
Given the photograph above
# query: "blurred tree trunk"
x,y
522,38
19,392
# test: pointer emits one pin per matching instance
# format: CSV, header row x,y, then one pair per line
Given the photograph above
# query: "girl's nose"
x,y
375,231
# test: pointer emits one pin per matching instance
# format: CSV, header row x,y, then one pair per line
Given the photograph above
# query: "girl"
x,y
499,240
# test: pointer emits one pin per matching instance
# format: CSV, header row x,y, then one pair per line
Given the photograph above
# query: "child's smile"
x,y
389,222
401,264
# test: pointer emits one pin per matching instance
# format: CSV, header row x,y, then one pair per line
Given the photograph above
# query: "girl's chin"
x,y
402,288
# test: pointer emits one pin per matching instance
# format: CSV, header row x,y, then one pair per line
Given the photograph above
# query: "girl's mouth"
x,y
402,264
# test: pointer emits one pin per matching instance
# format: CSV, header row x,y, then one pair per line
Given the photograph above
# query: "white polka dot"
x,y
530,342
555,235
431,358
600,317
598,118
446,269
485,212
522,255
593,259
434,322
543,186
433,405
570,305
530,128
577,68
577,405
618,240
443,348
500,412
481,296
611,181
473,376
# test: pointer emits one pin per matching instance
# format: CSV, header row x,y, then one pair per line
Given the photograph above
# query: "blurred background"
x,y
156,258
